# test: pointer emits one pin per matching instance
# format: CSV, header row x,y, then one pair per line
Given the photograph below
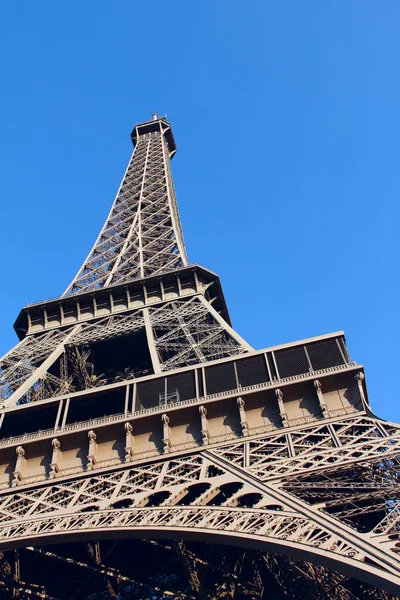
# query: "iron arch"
x,y
136,523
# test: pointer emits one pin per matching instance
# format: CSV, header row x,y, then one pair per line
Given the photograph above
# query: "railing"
x,y
245,390
50,433
100,287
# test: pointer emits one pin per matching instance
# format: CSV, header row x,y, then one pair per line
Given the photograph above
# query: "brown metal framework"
x,y
147,451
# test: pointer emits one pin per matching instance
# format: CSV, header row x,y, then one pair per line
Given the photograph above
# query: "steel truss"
x,y
142,235
186,570
179,333
343,514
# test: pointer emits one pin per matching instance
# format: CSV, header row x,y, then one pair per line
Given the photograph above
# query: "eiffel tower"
x,y
148,451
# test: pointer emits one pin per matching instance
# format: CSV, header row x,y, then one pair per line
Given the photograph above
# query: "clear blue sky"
x,y
286,115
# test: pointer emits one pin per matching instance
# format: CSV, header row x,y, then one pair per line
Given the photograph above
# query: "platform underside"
x,y
151,569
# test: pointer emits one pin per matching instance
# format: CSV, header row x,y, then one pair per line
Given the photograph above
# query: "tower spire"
x,y
142,234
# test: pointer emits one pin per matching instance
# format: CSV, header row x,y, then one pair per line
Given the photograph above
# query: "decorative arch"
x,y
240,527
172,497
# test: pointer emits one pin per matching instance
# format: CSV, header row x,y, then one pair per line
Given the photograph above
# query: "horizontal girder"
x,y
207,495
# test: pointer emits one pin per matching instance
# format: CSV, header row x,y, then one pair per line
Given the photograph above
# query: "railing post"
x,y
126,407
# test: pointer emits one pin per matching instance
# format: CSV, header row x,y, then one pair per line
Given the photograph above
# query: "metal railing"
x,y
99,421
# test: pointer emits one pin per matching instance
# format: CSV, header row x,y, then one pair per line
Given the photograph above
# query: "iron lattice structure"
x,y
149,452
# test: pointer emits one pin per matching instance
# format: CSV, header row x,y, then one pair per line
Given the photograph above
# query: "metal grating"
x,y
105,404
325,354
148,393
29,421
184,384
220,378
291,361
252,370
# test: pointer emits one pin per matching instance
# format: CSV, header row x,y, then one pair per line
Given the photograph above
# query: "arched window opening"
x,y
225,491
193,492
124,503
248,500
90,508
158,498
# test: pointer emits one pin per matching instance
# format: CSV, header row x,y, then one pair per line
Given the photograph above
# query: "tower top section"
x,y
157,124
142,235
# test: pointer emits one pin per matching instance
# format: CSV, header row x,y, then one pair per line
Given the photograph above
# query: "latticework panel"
x,y
185,333
21,363
28,371
142,235
316,447
182,332
342,513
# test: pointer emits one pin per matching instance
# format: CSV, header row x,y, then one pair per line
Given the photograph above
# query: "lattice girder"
x,y
192,332
218,493
142,234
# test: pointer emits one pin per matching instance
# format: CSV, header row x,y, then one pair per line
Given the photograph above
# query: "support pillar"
x,y
128,442
166,433
321,400
282,413
55,459
243,423
19,466
205,434
92,450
